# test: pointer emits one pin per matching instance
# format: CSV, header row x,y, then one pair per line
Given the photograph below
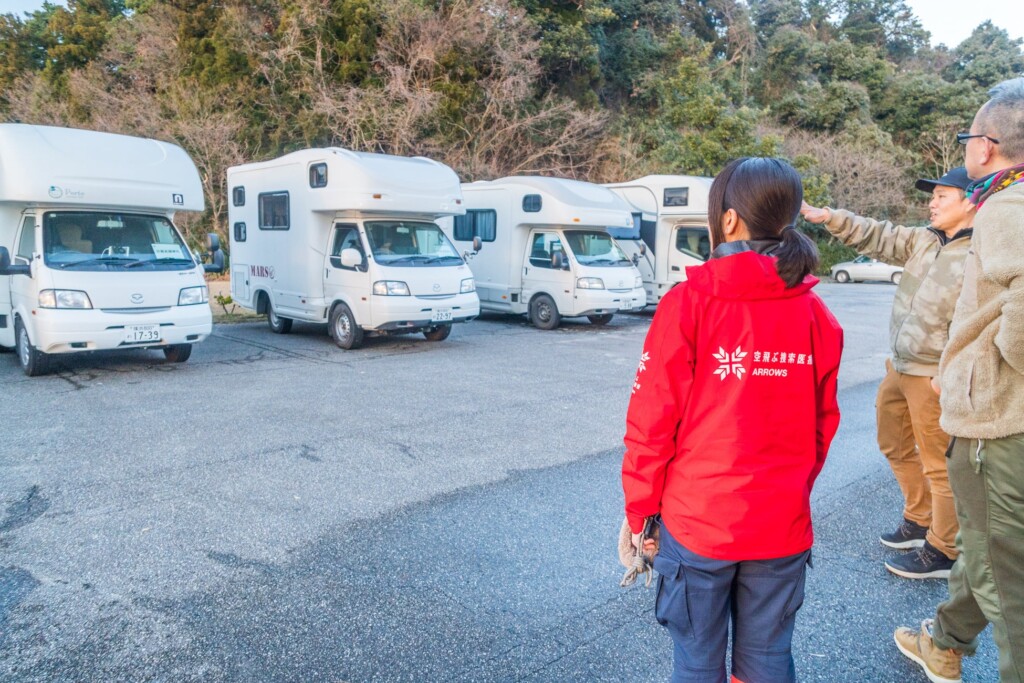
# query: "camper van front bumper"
x,y
601,301
70,331
396,313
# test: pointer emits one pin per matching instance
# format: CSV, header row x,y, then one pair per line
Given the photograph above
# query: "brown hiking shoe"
x,y
941,666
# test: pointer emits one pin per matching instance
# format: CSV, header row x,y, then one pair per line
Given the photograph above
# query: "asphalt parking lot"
x,y
278,509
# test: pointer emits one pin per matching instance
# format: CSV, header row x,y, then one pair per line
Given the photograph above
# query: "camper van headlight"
x,y
63,298
390,288
468,285
590,283
638,282
193,295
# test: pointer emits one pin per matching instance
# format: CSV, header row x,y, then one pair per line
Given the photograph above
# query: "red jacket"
x,y
733,410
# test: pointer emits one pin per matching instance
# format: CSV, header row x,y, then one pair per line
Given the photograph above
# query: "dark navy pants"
x,y
698,597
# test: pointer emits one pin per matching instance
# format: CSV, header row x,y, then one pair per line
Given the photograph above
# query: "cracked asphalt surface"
x,y
278,509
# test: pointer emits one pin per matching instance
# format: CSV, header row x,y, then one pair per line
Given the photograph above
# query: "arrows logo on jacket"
x,y
730,363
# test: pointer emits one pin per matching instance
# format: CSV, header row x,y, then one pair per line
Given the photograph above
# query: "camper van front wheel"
x,y
346,333
33,361
178,353
544,313
439,333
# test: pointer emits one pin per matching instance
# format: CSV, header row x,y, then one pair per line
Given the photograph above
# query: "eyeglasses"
x,y
962,138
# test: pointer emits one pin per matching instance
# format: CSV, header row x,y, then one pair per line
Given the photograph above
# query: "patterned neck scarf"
x,y
986,187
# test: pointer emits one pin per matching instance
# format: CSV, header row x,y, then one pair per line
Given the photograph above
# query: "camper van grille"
x,y
154,309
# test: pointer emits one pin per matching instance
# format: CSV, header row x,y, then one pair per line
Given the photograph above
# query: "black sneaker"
x,y
924,563
907,535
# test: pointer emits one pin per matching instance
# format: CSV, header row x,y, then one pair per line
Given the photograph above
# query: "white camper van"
x,y
546,250
89,257
670,228
349,238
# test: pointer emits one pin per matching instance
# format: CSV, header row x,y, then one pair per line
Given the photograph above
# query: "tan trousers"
x,y
910,437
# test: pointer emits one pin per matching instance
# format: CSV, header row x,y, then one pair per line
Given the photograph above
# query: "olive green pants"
x,y
987,581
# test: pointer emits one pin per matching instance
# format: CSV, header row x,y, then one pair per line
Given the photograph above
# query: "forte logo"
x,y
58,192
262,271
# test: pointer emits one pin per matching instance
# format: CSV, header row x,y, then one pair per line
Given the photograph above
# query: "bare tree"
x,y
869,179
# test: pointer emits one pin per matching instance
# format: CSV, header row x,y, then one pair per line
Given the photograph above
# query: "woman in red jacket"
x,y
731,417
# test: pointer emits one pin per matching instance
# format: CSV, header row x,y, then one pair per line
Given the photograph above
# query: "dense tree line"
x,y
603,90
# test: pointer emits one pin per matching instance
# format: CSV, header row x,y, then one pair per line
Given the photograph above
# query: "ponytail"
x,y
766,193
797,256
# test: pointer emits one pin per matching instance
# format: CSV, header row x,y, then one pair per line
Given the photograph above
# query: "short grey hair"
x,y
1003,118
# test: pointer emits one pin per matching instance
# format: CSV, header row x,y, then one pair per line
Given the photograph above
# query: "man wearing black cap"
x,y
908,410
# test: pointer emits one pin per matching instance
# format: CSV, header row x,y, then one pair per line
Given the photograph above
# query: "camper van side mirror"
x,y
557,260
477,246
643,249
216,255
7,269
636,259
351,258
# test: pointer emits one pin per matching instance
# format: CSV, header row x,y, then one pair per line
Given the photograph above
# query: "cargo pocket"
x,y
670,600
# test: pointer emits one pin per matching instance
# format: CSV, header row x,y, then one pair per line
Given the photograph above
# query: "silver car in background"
x,y
865,268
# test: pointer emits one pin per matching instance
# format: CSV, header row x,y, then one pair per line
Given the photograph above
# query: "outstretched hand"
x,y
813,214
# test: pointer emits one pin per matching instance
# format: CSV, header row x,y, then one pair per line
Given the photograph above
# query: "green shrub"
x,y
832,251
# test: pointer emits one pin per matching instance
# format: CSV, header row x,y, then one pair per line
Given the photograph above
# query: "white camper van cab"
x,y
89,257
670,228
349,238
546,250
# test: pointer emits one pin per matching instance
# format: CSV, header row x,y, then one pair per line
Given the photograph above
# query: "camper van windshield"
x,y
93,240
593,248
415,243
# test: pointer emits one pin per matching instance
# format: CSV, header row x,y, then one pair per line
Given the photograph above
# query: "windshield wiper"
x,y
166,259
99,259
435,259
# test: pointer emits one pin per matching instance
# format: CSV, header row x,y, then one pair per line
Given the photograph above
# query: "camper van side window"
x,y
238,196
694,242
346,237
239,232
531,203
274,214
482,223
27,242
318,175
677,196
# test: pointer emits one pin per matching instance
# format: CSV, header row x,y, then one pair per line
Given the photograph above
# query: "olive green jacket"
x,y
933,272
982,371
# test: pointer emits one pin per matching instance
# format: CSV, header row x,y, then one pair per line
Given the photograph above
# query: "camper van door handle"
x,y
675,268
327,273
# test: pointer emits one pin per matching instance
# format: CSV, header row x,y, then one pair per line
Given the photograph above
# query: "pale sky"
x,y
949,21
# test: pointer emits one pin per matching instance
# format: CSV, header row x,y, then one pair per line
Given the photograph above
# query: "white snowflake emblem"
x,y
730,363
643,366
643,362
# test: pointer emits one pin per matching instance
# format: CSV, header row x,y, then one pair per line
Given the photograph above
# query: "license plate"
x,y
627,305
441,315
139,334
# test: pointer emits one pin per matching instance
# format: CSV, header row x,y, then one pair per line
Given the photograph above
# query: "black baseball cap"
x,y
956,177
